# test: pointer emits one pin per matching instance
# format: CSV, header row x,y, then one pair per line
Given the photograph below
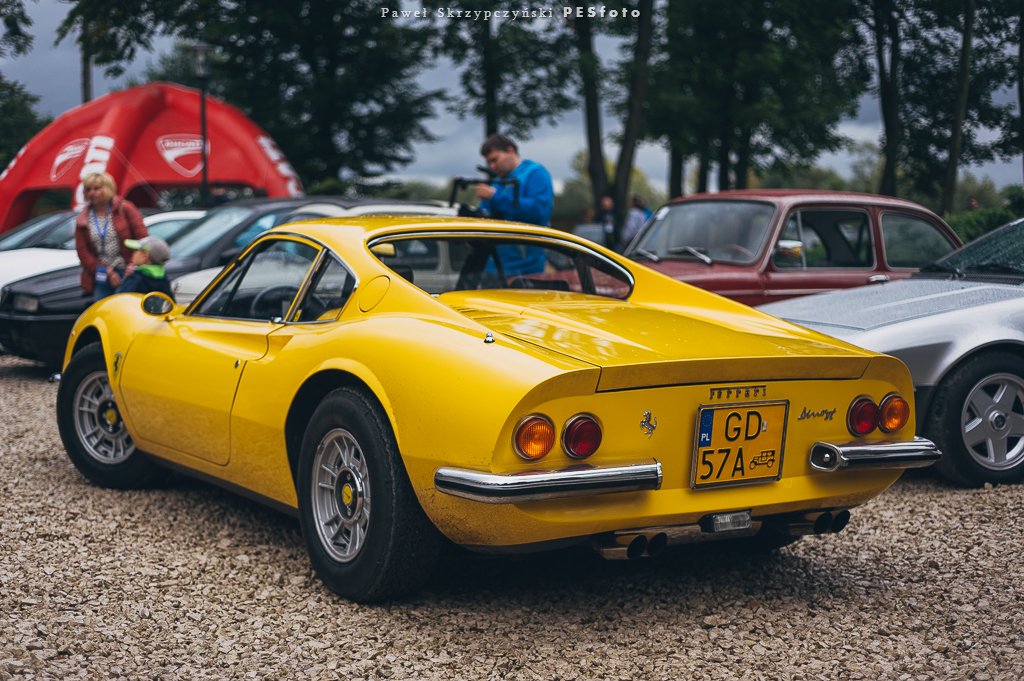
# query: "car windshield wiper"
x,y
997,267
942,267
703,257
647,254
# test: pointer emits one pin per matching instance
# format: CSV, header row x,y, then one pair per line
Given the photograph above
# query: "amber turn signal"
x,y
862,418
893,413
534,437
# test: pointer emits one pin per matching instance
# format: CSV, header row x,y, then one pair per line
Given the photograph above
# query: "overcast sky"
x,y
52,73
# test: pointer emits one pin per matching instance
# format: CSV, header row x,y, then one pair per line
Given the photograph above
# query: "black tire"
x,y
977,420
349,464
91,428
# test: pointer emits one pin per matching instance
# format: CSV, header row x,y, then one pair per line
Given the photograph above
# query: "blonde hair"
x,y
104,180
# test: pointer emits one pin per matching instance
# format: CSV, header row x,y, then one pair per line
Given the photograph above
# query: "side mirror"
x,y
788,253
157,304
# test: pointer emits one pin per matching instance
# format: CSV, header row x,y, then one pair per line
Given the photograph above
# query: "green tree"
x,y
514,73
958,43
19,121
14,38
750,84
333,82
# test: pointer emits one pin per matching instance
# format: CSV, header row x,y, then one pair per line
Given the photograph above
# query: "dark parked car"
x,y
758,246
51,230
37,313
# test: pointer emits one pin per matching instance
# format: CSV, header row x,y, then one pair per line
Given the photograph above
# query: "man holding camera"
x,y
536,194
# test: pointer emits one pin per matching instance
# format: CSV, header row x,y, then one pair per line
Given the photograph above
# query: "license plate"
x,y
739,443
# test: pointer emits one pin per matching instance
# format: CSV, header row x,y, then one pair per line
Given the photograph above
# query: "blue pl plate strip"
x,y
707,423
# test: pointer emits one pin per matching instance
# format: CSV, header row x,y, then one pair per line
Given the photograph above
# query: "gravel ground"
x,y
188,581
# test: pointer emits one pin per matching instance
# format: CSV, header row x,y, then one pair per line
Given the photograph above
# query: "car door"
x,y
821,249
180,377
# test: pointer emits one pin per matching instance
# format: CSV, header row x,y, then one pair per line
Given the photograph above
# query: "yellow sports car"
x,y
396,380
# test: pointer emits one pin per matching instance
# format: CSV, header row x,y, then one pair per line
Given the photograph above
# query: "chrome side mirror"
x,y
157,304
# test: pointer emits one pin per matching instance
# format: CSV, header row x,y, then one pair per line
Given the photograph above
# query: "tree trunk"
x,y
634,106
86,74
963,81
591,109
887,34
492,78
703,169
1020,72
742,166
676,171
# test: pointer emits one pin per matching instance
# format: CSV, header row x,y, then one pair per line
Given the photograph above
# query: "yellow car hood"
x,y
640,346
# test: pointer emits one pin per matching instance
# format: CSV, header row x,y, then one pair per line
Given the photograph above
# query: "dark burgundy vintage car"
x,y
758,246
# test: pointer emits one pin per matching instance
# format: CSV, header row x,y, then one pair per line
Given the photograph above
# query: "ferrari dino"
x,y
394,381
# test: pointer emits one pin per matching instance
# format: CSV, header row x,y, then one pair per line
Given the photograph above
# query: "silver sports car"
x,y
959,326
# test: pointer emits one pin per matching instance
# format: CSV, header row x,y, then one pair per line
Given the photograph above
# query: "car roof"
x,y
338,231
788,196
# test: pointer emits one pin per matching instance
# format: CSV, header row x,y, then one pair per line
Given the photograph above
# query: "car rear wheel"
x,y
91,428
978,421
366,534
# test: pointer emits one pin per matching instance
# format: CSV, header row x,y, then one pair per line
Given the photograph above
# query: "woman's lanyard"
x,y
101,233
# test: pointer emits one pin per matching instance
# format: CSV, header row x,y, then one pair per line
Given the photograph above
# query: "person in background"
x,y
100,231
607,220
638,202
535,201
635,219
146,273
536,191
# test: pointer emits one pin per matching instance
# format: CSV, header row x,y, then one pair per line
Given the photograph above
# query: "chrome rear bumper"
x,y
918,453
493,488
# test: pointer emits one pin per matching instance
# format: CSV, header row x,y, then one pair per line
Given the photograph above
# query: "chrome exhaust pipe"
x,y
625,546
656,543
799,526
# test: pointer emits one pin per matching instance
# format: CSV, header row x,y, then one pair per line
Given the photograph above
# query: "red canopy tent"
x,y
147,138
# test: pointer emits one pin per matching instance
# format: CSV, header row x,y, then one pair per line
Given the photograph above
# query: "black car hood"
x,y
60,291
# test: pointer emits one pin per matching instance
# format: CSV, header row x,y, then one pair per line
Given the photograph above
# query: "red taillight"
x,y
862,417
534,437
581,436
893,413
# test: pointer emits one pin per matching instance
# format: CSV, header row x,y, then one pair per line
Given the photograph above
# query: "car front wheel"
x,y
91,428
978,421
366,534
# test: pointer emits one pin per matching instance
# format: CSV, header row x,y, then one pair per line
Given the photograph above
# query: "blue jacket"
x,y
536,196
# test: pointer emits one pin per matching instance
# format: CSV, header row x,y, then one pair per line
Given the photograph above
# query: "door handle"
x,y
878,278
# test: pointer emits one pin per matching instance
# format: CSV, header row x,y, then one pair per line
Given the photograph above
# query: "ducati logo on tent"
x,y
183,153
66,157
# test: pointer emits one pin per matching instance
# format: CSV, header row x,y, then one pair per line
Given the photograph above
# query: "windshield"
x,y
201,235
710,231
1001,251
43,231
442,263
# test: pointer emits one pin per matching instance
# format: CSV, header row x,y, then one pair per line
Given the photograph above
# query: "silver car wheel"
x,y
98,423
341,495
992,422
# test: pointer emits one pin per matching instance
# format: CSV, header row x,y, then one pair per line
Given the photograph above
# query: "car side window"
x,y
825,239
912,242
264,284
331,288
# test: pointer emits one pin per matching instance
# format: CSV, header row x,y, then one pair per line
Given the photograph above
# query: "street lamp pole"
x,y
202,50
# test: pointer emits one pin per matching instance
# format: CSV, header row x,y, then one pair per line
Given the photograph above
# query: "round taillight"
x,y
863,416
534,437
581,436
893,413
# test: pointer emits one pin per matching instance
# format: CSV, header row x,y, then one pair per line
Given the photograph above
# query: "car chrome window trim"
x,y
471,234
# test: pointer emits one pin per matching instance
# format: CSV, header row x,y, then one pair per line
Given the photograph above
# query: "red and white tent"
x,y
148,139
